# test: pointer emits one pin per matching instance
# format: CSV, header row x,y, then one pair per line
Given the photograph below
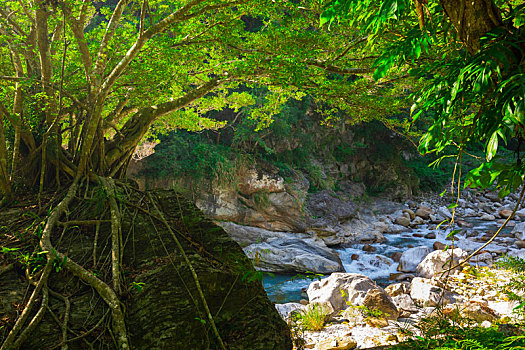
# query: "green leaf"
x,y
492,146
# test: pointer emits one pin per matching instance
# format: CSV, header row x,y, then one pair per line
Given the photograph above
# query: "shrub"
x,y
313,318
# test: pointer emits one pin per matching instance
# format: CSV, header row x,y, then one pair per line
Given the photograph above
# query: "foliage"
x,y
313,317
472,79
514,289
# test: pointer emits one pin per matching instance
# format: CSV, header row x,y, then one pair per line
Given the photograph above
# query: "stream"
x,y
378,265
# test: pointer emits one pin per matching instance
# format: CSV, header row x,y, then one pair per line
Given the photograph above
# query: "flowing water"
x,y
377,265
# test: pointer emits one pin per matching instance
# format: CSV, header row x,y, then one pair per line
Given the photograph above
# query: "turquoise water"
x,y
378,265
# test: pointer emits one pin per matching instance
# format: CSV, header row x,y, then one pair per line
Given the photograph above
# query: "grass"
x,y
313,318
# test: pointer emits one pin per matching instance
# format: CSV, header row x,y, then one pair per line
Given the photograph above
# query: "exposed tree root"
x,y
18,327
193,273
101,269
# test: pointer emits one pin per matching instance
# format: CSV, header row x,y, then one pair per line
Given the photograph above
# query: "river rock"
x,y
433,263
478,312
395,228
424,212
403,221
293,255
336,343
369,248
484,257
404,302
438,245
417,221
505,213
396,256
285,310
424,293
430,235
463,223
247,235
398,288
378,300
410,213
444,212
519,231
520,244
340,290
488,217
412,257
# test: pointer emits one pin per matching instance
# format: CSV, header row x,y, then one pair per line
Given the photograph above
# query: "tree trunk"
x,y
472,19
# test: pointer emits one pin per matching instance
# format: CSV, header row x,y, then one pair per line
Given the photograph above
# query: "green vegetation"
x,y
312,318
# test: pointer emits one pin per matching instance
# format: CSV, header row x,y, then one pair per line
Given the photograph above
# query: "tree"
x,y
469,58
83,82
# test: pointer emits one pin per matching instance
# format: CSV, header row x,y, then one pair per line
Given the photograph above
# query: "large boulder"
x,y
284,251
412,257
341,290
377,299
294,255
439,260
323,205
404,302
166,312
424,293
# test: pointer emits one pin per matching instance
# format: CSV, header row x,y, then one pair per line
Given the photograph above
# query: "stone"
x,y
430,235
484,257
492,197
478,312
381,226
397,289
410,213
303,302
340,290
285,310
463,223
424,212
403,221
444,212
255,180
294,255
520,244
396,256
369,248
412,257
425,294
505,213
488,217
323,205
519,231
379,300
434,263
355,257
404,302
337,343
438,245
417,221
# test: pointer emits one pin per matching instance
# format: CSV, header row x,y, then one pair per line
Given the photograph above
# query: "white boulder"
x,y
424,293
440,260
412,257
340,290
